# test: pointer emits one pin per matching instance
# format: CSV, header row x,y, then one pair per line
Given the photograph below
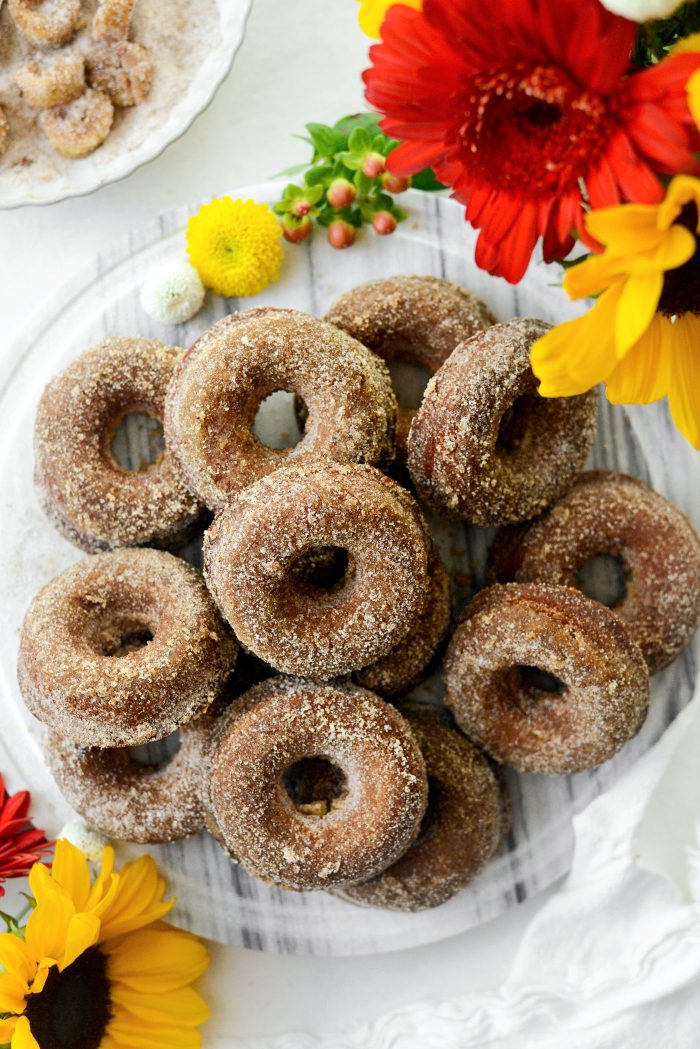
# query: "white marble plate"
x,y
135,146
216,898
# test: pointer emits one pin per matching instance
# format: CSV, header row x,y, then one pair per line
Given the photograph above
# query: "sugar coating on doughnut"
x,y
411,318
561,632
85,493
133,802
84,668
406,664
236,364
252,546
52,80
470,456
112,19
465,822
279,723
618,515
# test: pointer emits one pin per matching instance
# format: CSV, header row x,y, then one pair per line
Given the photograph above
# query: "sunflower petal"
x,y
15,957
682,190
128,1033
13,993
40,882
183,1007
625,228
6,1030
83,933
138,901
575,356
693,90
23,1037
684,382
70,870
635,309
156,960
47,927
642,376
592,276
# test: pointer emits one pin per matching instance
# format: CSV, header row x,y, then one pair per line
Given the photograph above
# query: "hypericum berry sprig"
x,y
347,184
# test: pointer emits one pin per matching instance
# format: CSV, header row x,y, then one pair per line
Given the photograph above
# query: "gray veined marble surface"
x,y
216,898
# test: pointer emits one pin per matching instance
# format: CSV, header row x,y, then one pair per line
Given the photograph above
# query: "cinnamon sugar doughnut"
x,y
406,665
465,822
87,495
46,23
123,648
419,320
484,445
614,514
251,548
282,722
122,69
235,365
545,679
52,80
80,127
130,801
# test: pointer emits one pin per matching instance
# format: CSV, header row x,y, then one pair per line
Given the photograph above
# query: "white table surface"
x,y
299,62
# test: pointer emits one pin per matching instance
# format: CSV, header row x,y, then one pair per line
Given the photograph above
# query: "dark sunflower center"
x,y
681,290
73,1010
535,120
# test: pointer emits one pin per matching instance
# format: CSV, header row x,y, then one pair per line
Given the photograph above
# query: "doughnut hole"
x,y
409,381
527,684
122,637
158,754
315,786
134,442
519,424
322,570
605,578
279,419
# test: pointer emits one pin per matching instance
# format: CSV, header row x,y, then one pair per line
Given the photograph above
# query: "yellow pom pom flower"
x,y
97,968
642,336
372,14
235,246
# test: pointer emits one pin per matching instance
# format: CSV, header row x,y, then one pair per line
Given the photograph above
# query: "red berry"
x,y
383,223
395,183
301,208
373,165
341,193
296,232
341,234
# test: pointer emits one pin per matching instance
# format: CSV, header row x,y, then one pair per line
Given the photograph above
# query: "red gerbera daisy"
x,y
529,110
21,844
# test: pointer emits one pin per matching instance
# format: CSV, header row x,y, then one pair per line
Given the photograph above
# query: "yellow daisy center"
x,y
73,1009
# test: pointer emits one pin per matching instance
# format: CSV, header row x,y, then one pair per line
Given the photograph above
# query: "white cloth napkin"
x,y
612,961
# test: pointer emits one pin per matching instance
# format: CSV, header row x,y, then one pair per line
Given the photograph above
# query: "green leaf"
x,y
399,214
293,170
326,140
363,184
319,174
359,141
426,181
368,121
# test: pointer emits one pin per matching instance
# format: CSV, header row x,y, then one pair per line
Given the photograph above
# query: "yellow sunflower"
x,y
642,336
97,969
372,14
235,246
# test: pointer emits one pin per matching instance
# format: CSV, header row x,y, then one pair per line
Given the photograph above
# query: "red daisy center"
x,y
531,125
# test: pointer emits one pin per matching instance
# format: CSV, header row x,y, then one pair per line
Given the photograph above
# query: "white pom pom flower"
x,y
642,10
90,841
173,292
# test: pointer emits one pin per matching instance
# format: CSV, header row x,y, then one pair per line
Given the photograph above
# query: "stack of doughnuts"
x,y
285,666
